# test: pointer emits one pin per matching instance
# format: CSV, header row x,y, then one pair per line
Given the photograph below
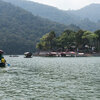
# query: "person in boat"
x,y
2,60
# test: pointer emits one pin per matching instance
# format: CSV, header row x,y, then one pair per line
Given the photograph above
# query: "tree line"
x,y
82,41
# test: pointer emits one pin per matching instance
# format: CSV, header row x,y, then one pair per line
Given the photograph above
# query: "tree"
x,y
78,39
98,40
89,37
66,39
98,33
51,39
47,42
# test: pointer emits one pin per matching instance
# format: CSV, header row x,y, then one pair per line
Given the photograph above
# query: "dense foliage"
x,y
86,18
20,30
82,41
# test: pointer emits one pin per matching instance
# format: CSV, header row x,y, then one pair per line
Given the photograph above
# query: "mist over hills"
x,y
20,30
86,18
91,12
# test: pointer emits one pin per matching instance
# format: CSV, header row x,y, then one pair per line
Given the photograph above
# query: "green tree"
x,y
89,37
78,39
66,39
98,40
47,42
52,40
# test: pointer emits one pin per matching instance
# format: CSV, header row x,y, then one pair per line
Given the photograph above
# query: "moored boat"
x,y
28,55
13,56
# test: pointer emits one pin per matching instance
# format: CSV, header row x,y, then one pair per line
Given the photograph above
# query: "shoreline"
x,y
66,54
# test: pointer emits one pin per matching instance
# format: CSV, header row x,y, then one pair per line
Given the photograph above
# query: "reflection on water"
x,y
41,78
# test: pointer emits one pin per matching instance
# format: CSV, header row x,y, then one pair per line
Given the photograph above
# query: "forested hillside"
x,y
46,11
86,18
20,30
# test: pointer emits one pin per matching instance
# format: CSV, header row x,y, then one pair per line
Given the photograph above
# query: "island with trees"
x,y
70,43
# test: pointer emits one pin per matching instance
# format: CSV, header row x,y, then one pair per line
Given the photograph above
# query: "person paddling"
x,y
2,60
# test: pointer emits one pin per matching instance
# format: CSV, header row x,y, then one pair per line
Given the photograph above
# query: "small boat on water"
x,y
28,55
13,56
2,60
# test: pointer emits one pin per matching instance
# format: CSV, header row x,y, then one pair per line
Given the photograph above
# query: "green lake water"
x,y
44,78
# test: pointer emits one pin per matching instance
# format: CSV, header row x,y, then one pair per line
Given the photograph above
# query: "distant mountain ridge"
x,y
45,11
91,12
86,18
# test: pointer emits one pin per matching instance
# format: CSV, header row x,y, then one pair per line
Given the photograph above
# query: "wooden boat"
x,y
28,55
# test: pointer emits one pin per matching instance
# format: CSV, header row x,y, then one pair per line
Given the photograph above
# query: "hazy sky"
x,y
67,4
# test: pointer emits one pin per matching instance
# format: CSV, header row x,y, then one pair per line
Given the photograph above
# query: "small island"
x,y
69,44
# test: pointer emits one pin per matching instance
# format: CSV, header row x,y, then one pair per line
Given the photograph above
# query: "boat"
x,y
2,65
2,60
13,56
28,55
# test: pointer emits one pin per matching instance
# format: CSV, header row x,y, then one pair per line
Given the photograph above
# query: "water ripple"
x,y
41,78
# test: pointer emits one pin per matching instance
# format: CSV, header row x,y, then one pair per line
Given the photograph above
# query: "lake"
x,y
48,78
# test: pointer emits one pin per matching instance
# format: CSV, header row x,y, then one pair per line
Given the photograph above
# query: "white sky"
x,y
67,4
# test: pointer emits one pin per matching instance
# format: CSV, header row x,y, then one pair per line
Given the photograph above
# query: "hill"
x,y
86,18
46,11
91,12
20,30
